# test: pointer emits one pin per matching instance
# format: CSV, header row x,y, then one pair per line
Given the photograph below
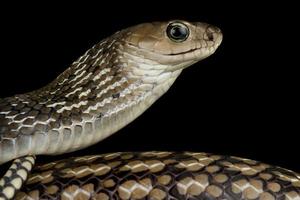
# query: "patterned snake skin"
x,y
105,89
158,176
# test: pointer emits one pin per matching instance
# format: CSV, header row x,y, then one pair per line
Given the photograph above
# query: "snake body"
x,y
160,176
105,89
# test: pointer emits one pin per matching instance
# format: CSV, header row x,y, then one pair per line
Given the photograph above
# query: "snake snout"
x,y
213,34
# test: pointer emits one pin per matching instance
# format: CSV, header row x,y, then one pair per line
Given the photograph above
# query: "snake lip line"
x,y
183,52
170,54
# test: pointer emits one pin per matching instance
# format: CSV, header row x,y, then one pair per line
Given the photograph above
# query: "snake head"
x,y
175,44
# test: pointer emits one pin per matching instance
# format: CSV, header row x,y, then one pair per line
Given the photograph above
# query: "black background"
x,y
241,101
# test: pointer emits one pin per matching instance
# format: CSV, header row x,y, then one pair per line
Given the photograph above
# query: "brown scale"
x,y
160,175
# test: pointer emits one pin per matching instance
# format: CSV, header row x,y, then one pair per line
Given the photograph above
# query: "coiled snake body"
x,y
104,90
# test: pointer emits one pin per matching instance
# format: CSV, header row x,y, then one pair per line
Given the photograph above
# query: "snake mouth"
x,y
169,58
183,52
165,54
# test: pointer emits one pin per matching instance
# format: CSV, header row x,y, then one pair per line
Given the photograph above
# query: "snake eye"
x,y
177,32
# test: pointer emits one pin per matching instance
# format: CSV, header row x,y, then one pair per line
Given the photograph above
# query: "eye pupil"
x,y
177,32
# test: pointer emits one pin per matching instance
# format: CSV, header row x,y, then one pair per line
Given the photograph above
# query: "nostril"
x,y
210,36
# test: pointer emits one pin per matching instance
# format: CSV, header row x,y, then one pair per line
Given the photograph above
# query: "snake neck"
x,y
104,90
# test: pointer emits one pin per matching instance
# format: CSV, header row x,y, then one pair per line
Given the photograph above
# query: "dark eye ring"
x,y
177,32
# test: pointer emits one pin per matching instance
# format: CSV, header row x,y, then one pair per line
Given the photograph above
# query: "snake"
x,y
108,87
